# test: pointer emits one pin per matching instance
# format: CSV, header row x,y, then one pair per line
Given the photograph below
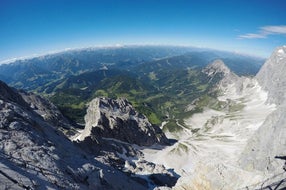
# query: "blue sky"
x,y
29,27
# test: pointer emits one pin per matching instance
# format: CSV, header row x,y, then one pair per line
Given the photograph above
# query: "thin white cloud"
x,y
274,29
264,32
252,36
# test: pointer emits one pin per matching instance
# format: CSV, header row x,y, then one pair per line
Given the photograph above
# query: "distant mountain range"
x,y
149,76
29,74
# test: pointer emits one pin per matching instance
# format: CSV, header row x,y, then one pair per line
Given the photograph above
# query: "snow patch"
x,y
281,51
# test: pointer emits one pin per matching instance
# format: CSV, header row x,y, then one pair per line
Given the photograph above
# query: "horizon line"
x,y
54,52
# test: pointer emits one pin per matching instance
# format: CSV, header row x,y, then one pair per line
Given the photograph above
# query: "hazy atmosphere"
x,y
35,27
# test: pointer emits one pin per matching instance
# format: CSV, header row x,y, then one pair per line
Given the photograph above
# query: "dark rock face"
x,y
163,180
8,94
119,120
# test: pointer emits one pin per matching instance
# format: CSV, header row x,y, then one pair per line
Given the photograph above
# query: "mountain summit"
x,y
217,66
219,72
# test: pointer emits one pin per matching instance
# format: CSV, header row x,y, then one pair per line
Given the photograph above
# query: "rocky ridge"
x,y
118,119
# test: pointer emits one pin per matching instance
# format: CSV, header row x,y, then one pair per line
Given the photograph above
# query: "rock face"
x,y
118,119
269,141
46,109
272,76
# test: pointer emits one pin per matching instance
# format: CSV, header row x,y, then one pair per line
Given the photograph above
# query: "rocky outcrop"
x,y
215,67
117,119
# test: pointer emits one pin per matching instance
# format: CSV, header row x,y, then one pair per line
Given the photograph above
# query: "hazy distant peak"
x,y
217,66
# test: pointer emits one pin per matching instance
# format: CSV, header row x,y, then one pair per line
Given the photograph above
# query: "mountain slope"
x,y
35,154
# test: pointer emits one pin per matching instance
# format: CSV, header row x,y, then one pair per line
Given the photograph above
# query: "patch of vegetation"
x,y
160,99
180,148
211,102
160,89
195,130
171,126
236,107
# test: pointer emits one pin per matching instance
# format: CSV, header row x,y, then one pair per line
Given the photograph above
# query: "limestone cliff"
x,y
270,139
272,76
